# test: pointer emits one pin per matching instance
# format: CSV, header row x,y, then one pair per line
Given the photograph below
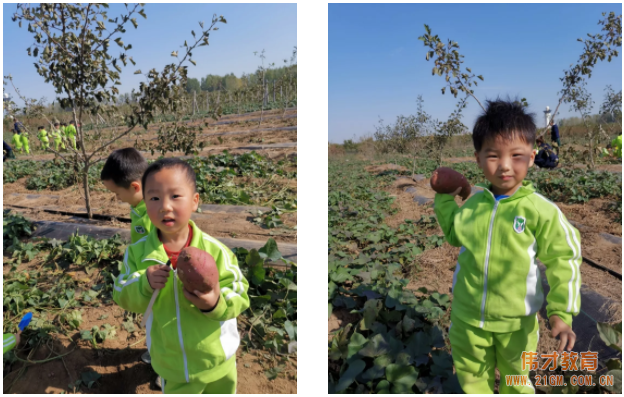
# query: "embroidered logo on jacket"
x,y
519,224
139,229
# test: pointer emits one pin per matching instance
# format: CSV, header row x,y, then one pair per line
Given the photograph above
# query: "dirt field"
x,y
118,360
216,224
254,134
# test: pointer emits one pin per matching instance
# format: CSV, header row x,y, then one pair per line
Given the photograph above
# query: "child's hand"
x,y
157,276
17,337
204,301
564,331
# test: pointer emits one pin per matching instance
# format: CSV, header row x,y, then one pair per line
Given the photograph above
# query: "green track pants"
x,y
25,144
57,143
225,385
476,353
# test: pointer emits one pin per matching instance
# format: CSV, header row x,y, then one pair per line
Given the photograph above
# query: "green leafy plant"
x,y
397,344
87,251
14,226
73,319
272,317
97,334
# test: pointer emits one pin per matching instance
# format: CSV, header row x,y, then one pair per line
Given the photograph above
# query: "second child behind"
x,y
121,175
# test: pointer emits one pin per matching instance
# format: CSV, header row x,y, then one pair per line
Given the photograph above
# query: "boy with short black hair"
x,y
192,336
503,230
121,175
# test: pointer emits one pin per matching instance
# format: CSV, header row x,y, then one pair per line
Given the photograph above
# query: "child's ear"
x,y
532,157
195,202
478,159
136,186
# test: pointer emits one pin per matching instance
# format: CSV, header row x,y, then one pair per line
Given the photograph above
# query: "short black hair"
x,y
162,164
123,167
72,122
506,119
40,127
56,123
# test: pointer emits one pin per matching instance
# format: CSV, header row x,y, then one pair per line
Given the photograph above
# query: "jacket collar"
x,y
155,250
524,190
140,209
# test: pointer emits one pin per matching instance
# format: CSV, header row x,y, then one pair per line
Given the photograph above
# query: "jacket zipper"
x,y
487,261
175,288
175,292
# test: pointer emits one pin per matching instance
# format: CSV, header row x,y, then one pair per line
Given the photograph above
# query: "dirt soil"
x,y
118,360
378,169
215,224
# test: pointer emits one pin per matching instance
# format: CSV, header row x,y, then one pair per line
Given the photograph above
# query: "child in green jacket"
x,y
58,137
70,131
192,336
503,230
16,141
25,143
121,175
43,137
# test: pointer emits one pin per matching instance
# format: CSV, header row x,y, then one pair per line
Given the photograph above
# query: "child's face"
x,y
132,195
505,163
170,200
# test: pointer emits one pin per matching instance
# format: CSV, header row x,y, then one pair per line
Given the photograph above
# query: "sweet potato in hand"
x,y
197,270
447,180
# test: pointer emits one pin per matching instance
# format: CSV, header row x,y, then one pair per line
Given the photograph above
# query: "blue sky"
x,y
249,28
377,65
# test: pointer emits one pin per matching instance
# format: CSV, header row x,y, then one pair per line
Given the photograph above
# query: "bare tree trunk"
x,y
590,135
85,183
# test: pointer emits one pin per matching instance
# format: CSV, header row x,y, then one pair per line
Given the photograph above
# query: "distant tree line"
x,y
230,82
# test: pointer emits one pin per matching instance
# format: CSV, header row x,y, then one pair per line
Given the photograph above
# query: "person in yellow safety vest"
x,y
70,131
16,141
42,134
58,137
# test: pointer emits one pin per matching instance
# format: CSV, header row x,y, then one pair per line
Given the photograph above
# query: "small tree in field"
x,y
612,106
73,52
597,48
447,62
261,73
581,101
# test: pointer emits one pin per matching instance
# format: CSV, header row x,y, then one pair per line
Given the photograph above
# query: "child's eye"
x,y
154,199
176,196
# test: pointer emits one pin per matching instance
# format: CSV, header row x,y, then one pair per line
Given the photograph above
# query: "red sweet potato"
x,y
197,270
447,180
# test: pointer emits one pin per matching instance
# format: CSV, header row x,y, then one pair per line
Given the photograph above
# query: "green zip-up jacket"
x,y
70,131
140,223
43,135
186,344
497,283
56,135
16,141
